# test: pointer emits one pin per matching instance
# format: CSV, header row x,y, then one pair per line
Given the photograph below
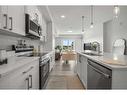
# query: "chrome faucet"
x,y
96,45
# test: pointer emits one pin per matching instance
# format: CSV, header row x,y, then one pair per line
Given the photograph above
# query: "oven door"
x,y
44,72
44,69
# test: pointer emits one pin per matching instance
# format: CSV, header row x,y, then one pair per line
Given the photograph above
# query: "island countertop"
x,y
112,61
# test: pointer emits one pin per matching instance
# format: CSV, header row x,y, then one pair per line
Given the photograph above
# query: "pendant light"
x,y
91,15
83,24
116,11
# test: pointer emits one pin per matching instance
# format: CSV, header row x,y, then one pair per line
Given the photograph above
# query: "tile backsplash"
x,y
7,41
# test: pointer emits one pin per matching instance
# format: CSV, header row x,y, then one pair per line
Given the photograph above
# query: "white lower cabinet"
x,y
52,59
34,76
26,77
82,69
79,65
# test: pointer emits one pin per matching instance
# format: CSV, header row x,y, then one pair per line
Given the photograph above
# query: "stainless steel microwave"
x,y
31,27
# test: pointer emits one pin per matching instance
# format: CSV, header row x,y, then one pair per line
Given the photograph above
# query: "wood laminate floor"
x,y
63,76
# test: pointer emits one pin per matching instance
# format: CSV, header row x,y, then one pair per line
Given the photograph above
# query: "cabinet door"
x,y
21,78
16,19
14,80
34,75
43,26
32,11
52,60
44,30
3,17
18,80
84,71
78,69
79,65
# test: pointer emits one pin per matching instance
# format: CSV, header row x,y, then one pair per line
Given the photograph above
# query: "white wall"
x,y
115,29
94,34
7,41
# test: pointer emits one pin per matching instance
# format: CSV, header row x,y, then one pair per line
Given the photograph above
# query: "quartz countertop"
x,y
112,61
17,63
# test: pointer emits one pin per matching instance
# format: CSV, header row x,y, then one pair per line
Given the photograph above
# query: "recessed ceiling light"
x,y
62,16
69,31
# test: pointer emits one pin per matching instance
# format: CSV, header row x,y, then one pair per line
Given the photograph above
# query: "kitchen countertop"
x,y
109,60
19,62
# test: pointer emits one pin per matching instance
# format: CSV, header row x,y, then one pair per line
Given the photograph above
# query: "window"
x,y
68,45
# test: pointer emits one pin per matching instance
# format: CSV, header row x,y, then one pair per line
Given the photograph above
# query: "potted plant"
x,y
58,48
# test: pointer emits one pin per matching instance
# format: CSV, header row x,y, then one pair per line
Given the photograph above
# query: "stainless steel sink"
x,y
92,54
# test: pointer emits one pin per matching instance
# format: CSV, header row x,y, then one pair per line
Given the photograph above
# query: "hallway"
x,y
63,76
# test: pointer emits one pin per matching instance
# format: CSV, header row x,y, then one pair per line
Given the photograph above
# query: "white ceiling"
x,y
73,20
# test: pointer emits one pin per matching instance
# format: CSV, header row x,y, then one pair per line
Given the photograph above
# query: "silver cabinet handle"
x,y
27,79
11,20
100,72
5,15
28,70
30,76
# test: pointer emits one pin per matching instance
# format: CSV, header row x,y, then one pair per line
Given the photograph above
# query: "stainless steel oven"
x,y
98,77
44,71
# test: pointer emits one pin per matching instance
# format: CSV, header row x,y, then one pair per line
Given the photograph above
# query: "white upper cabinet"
x,y
16,19
3,17
31,10
34,13
44,29
12,19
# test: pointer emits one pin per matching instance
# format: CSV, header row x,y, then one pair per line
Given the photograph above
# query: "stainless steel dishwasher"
x,y
98,76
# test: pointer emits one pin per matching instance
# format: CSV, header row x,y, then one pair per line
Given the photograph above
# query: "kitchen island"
x,y
116,63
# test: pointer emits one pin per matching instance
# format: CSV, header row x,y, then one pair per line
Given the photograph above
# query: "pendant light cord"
x,y
82,23
91,14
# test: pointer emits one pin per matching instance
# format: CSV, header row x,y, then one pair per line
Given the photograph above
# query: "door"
x,y
79,65
25,77
31,10
99,77
84,71
3,17
16,19
34,75
18,80
44,26
14,80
